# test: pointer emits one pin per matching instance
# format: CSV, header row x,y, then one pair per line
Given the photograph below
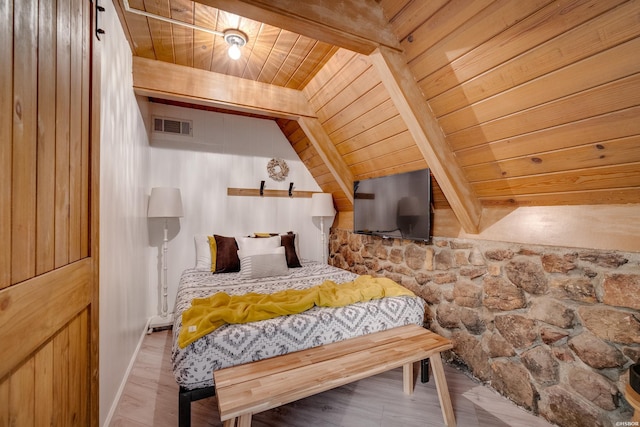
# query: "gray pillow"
x,y
266,264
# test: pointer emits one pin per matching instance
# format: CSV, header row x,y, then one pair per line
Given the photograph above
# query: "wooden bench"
x,y
254,387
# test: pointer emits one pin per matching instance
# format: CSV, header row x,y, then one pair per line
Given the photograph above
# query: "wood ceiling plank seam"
x,y
324,179
591,130
267,36
496,18
612,64
362,147
374,97
340,81
333,67
392,170
430,140
272,63
528,35
160,32
453,15
301,145
322,169
392,8
297,137
299,51
612,96
412,16
291,81
309,155
139,32
400,158
383,148
182,10
360,124
351,94
302,66
281,67
289,127
517,59
385,129
614,196
204,42
332,187
598,178
604,153
332,50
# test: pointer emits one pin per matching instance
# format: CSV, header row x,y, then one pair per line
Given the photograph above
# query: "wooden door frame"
x,y
94,192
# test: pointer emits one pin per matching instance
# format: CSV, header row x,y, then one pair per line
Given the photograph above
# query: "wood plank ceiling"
x,y
536,102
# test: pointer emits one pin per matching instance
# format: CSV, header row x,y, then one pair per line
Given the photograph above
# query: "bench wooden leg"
x,y
409,377
443,390
229,423
244,420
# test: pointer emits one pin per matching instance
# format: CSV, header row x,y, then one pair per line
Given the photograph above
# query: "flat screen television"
x,y
394,206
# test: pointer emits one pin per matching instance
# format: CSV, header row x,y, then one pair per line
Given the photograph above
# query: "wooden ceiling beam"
x,y
329,154
423,126
179,83
357,25
184,84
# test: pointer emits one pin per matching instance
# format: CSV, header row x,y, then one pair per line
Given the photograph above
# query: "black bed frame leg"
x,y
424,370
185,397
184,409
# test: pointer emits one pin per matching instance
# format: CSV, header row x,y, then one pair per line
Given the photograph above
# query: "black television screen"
x,y
394,206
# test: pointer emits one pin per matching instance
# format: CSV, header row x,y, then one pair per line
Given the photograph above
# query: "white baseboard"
x,y
118,395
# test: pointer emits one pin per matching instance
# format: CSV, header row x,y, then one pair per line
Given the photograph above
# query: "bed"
x,y
234,344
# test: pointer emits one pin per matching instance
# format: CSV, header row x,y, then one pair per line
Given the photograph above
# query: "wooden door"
x,y
48,215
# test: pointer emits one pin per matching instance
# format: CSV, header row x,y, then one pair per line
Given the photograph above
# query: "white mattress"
x,y
231,345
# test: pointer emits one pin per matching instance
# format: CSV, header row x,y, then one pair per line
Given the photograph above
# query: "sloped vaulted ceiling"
x,y
509,102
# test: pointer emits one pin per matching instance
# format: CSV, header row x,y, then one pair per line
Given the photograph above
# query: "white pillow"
x,y
203,251
258,243
263,263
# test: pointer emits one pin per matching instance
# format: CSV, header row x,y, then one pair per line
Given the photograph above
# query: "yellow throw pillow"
x,y
213,247
265,234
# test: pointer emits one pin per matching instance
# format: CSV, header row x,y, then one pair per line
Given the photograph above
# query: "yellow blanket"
x,y
207,314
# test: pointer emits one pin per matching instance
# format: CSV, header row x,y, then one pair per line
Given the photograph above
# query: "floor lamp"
x,y
164,203
322,206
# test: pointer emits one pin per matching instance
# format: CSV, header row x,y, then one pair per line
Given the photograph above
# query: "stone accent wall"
x,y
553,329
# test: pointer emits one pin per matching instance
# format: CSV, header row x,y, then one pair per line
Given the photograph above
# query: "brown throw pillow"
x,y
288,241
227,260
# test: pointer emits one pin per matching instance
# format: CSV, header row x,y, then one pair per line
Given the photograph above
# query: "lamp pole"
x,y
164,203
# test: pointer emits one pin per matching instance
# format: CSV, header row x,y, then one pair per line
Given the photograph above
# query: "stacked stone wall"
x,y
553,329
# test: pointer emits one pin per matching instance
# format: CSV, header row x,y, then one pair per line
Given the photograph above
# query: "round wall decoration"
x,y
278,169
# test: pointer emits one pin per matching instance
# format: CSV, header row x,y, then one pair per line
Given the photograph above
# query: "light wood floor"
x,y
150,398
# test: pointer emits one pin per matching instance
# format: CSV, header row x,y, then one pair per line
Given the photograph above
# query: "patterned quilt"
x,y
231,345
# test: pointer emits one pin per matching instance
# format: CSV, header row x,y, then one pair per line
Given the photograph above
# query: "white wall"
x,y
124,171
225,151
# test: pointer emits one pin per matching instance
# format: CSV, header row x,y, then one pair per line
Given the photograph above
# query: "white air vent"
x,y
173,126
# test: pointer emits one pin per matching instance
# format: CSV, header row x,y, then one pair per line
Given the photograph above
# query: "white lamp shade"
x,y
165,202
322,204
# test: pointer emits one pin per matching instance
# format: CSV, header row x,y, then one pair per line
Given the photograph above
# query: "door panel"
x,y
48,215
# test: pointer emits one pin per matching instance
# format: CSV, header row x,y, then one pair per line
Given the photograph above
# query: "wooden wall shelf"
x,y
255,192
